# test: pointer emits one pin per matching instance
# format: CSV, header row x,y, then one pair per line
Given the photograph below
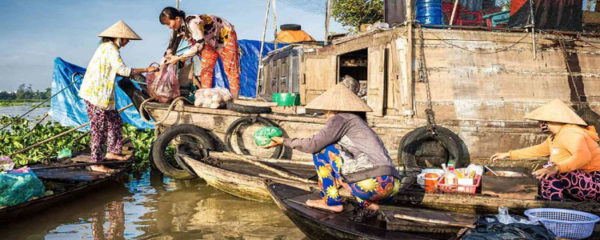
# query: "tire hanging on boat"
x,y
418,140
185,134
247,108
244,122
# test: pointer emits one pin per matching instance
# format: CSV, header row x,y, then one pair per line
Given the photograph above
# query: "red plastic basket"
x,y
458,188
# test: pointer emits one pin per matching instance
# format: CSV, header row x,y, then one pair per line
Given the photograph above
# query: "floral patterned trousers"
x,y
103,124
230,56
575,185
371,190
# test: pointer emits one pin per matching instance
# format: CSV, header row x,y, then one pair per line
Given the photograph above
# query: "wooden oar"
x,y
268,168
433,221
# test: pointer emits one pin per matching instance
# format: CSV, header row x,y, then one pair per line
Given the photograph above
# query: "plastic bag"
x,y
64,153
6,164
262,136
212,97
18,187
505,218
163,85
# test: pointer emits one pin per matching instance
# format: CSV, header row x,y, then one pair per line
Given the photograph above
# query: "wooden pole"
x,y
59,135
327,17
268,168
262,46
453,12
275,23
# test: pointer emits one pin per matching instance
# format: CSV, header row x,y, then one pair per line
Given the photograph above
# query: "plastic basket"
x,y
564,223
459,188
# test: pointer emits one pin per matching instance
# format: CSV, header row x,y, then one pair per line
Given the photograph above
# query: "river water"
x,y
150,206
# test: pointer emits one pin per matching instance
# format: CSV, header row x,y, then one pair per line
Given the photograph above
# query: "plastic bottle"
x,y
450,175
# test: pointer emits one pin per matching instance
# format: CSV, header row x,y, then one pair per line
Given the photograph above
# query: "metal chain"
x,y
423,77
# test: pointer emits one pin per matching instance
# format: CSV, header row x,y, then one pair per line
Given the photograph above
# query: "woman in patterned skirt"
x,y
573,170
98,91
211,37
347,153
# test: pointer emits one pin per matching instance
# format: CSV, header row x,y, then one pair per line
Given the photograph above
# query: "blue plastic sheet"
x,y
69,110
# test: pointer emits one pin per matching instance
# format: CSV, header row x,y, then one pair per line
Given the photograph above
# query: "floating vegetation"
x,y
21,134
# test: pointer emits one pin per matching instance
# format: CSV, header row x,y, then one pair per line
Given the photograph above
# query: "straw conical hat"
x,y
120,30
339,98
556,111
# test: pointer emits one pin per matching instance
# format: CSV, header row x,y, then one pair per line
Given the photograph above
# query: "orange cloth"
x,y
573,147
293,36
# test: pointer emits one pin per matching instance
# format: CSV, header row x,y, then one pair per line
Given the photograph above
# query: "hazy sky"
x,y
34,32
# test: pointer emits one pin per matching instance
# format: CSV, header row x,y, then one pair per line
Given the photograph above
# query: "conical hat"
x,y
339,98
120,30
556,111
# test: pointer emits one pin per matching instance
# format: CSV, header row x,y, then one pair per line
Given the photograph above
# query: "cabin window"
x,y
354,64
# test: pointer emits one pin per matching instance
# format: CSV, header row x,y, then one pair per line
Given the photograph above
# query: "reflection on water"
x,y
18,110
153,207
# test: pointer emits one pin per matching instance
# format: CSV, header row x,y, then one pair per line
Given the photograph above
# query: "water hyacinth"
x,y
21,134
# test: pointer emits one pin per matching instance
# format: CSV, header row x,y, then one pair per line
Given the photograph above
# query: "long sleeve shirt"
x,y
363,153
98,86
572,148
205,29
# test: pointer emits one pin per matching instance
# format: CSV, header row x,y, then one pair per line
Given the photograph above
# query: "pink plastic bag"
x,y
163,85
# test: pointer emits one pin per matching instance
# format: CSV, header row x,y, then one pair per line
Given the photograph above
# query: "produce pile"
x,y
23,133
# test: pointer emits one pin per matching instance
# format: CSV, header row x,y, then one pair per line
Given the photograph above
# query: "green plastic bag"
x,y
262,136
64,153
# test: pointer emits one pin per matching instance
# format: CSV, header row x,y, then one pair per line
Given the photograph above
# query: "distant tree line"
x,y
25,92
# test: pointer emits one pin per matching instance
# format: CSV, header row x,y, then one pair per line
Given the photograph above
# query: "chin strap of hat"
x,y
423,77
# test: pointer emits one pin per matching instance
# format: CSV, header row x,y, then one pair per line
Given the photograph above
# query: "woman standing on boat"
x,y
347,153
98,91
211,37
573,170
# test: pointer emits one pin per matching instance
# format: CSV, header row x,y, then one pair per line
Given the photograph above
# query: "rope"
x,y
561,43
41,103
424,77
480,52
169,110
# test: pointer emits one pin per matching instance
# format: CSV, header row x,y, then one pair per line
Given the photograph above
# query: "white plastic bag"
x,y
212,97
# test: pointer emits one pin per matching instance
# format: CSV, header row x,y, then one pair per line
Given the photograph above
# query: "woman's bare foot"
x,y
373,206
320,203
112,156
100,168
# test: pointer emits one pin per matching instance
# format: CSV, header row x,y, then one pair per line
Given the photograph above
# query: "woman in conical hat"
x,y
98,92
347,153
573,170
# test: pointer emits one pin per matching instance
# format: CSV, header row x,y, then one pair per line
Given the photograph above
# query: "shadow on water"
x,y
150,206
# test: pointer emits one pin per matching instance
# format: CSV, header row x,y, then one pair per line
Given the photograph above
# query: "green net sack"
x,y
16,188
262,136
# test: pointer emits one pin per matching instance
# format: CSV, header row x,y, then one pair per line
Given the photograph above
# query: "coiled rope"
x,y
169,110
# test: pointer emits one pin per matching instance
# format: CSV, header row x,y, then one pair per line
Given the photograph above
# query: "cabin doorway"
x,y
355,65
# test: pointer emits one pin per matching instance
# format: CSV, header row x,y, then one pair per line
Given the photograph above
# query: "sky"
x,y
34,32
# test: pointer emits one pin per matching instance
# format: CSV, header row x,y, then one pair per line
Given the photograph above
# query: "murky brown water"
x,y
153,207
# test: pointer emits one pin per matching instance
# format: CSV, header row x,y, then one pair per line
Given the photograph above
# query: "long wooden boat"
x,y
481,83
320,224
66,183
246,180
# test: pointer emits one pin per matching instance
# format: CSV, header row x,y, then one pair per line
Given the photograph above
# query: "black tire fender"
x,y
178,170
452,143
247,121
290,27
248,109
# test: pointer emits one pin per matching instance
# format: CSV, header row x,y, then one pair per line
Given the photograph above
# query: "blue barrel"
x,y
429,12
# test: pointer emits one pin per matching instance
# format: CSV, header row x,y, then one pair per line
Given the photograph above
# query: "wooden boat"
x,y
481,84
320,224
245,180
66,181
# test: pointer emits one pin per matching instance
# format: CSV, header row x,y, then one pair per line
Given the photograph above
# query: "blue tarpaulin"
x,y
69,110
